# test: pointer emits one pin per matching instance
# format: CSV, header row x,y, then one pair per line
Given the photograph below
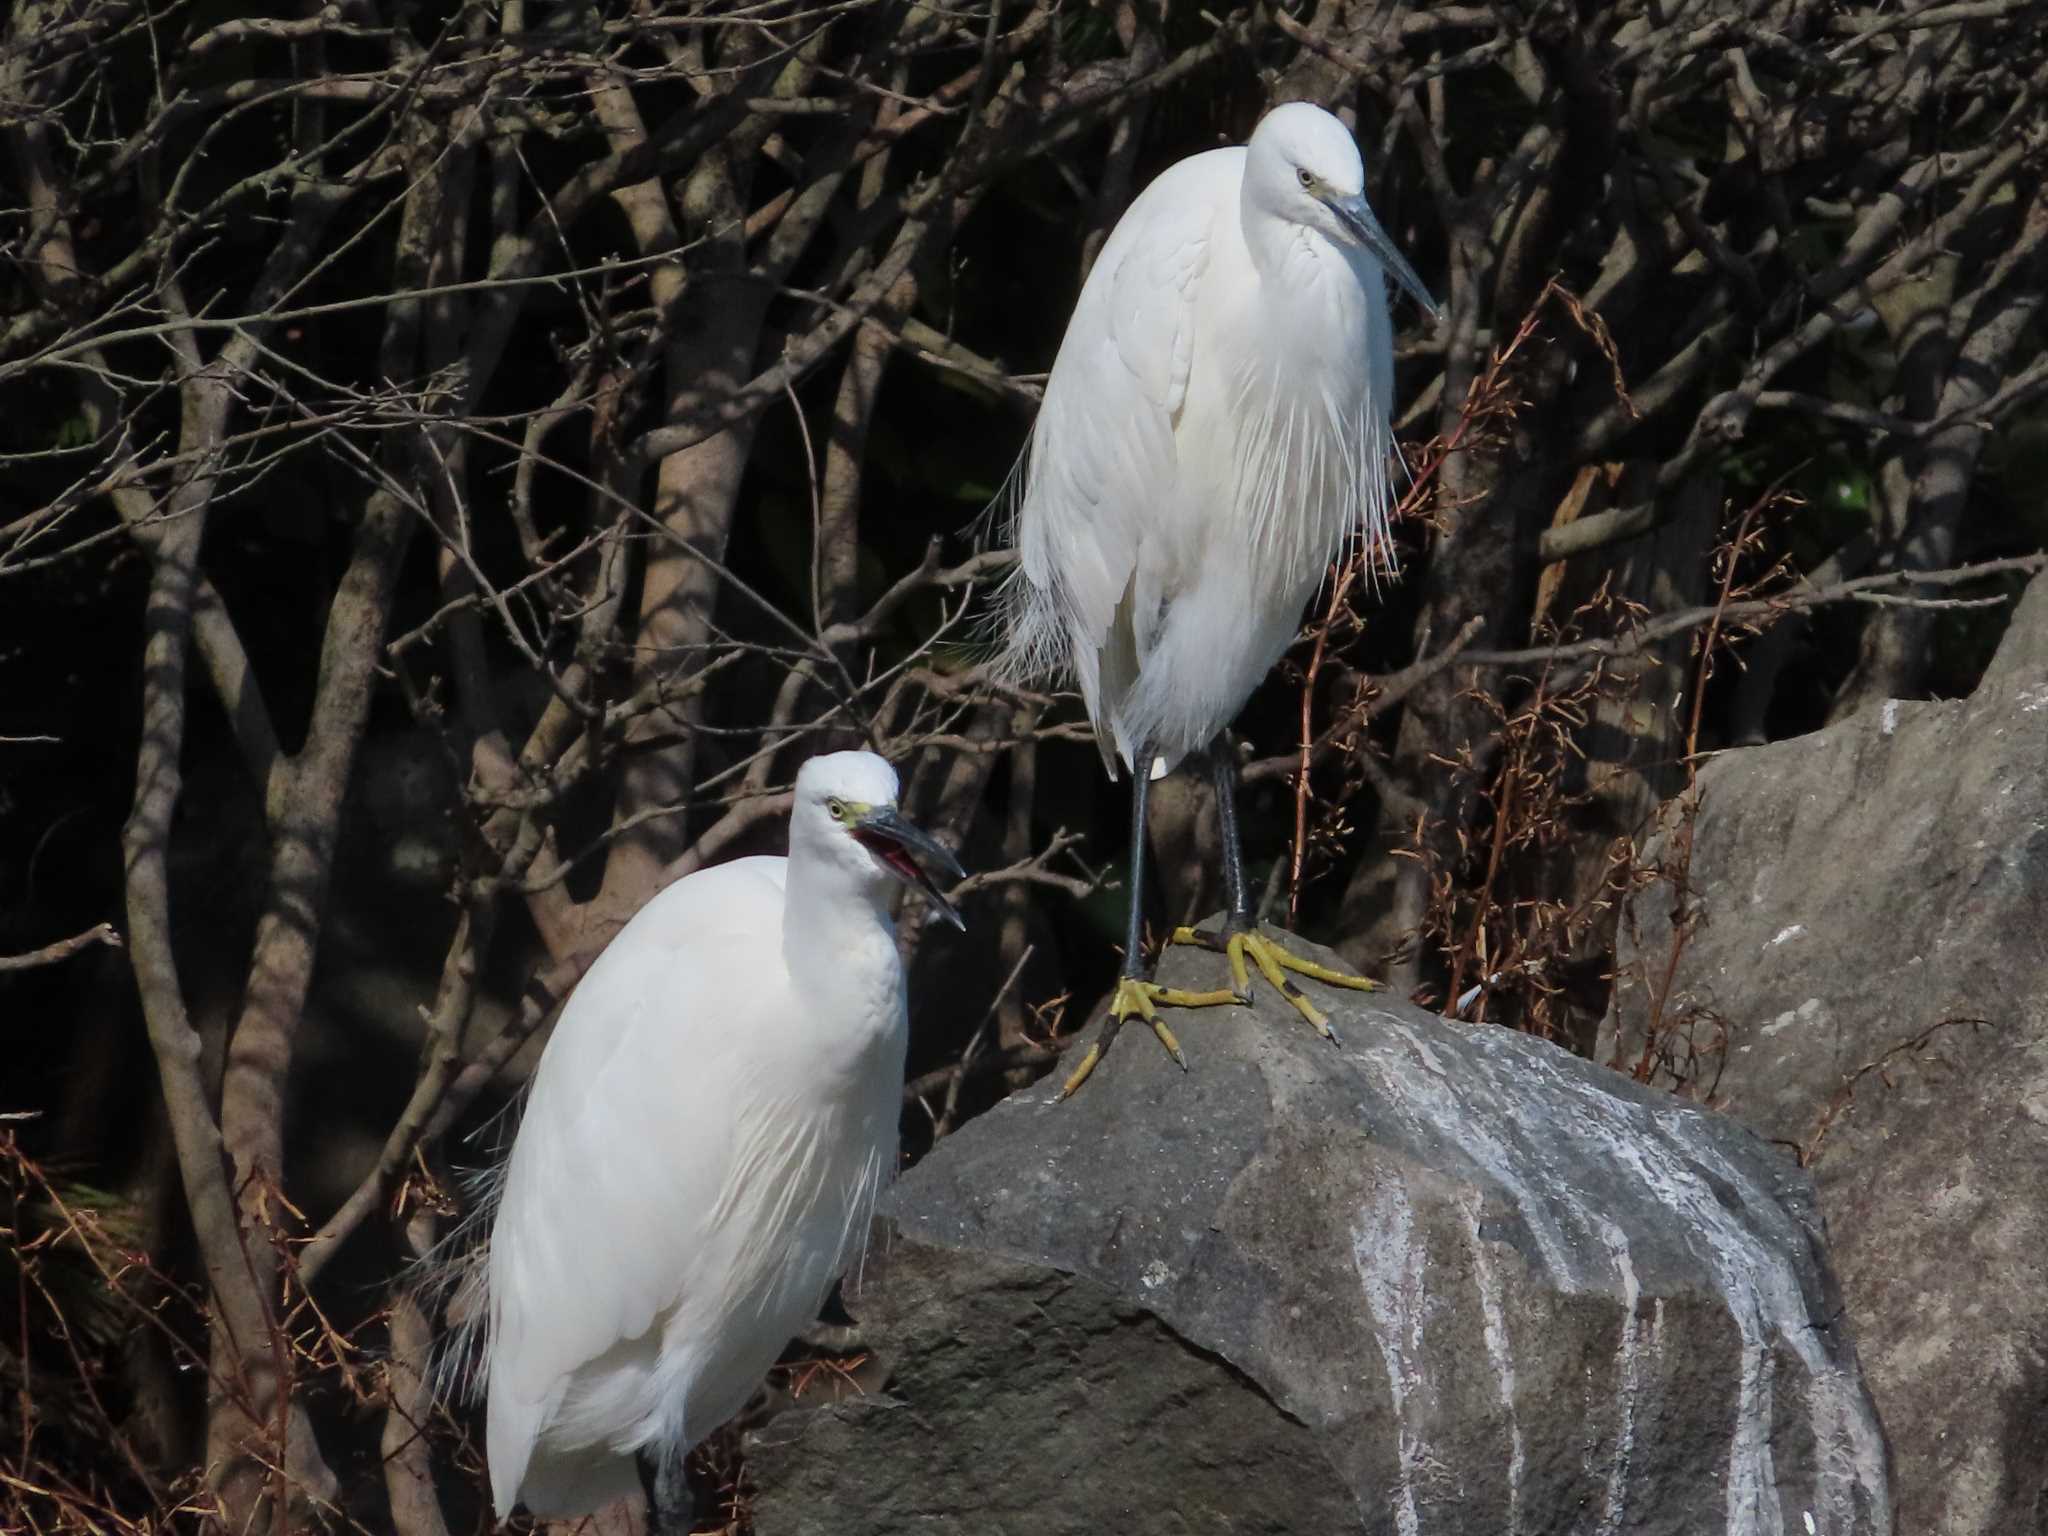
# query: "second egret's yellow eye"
x,y
1308,177
837,807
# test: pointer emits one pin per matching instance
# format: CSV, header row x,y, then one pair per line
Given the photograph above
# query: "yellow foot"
x,y
1142,999
1274,962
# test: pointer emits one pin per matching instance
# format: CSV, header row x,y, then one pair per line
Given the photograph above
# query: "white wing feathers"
x,y
642,1039
1103,453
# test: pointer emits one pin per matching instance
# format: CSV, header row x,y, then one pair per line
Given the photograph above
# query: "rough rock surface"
x,y
1866,890
1445,1279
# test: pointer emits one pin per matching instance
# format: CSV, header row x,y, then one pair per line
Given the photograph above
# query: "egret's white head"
x,y
845,814
1303,166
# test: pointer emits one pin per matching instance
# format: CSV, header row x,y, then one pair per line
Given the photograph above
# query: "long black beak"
x,y
1359,219
893,840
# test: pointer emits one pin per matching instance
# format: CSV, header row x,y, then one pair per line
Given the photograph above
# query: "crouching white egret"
x,y
707,1132
1216,424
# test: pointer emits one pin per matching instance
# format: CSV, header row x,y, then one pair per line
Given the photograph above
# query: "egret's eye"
x,y
837,807
1307,176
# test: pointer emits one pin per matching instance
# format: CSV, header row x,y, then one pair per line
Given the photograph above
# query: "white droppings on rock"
x,y
1890,719
1786,935
1764,1294
1494,1329
1156,1274
1808,1012
1390,1264
1421,1047
1746,1240
1629,1371
1516,1148
1442,1107
1737,1257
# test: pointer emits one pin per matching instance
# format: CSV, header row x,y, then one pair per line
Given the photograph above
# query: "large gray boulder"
x,y
1444,1279
1867,894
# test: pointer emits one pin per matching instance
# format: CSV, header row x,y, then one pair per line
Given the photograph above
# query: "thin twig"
x,y
63,949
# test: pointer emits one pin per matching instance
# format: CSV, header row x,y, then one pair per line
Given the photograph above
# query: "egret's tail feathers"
x,y
1203,661
1035,622
451,1281
1116,674
1025,632
565,1485
1020,631
996,525
460,1367
1161,766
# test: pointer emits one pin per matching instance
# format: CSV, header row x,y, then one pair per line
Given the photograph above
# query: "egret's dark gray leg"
x,y
1134,922
1136,996
671,1504
1223,774
1240,939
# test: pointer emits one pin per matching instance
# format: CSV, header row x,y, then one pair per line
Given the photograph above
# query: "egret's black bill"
x,y
894,841
1359,219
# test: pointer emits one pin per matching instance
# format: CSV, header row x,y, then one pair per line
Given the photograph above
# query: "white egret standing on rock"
x,y
1216,424
707,1132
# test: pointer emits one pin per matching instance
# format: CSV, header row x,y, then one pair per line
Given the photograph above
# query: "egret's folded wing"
x,y
1101,463
619,1151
